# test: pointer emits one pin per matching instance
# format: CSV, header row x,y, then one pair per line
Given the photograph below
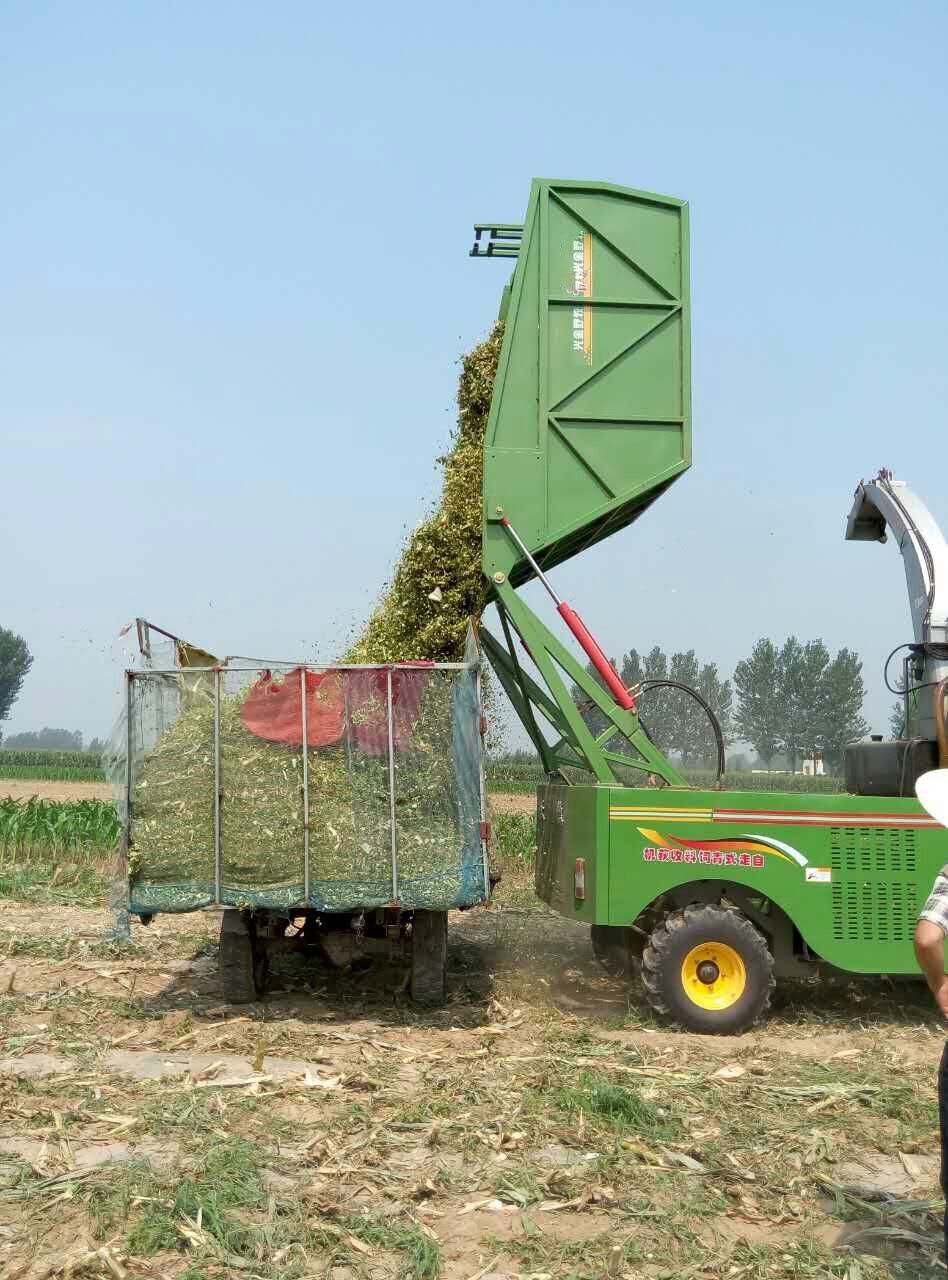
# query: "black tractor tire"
x,y
617,949
429,957
694,942
243,959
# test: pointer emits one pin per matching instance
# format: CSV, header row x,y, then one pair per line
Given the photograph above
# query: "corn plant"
x,y
50,759
39,825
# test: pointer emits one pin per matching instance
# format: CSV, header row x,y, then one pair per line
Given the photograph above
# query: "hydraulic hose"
x,y
939,652
647,685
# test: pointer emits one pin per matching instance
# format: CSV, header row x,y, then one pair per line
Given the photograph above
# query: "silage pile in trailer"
x,y
424,613
436,769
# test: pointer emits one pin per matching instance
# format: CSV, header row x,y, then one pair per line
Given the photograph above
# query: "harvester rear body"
x,y
711,893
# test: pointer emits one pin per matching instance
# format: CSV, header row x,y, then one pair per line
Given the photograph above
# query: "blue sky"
x,y
234,265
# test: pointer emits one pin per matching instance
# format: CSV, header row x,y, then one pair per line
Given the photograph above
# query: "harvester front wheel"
x,y
429,957
243,959
709,969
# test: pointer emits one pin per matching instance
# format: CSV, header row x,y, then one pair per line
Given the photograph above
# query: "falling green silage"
x,y
443,555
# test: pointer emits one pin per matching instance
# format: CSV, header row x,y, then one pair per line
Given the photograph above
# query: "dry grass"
x,y
542,1125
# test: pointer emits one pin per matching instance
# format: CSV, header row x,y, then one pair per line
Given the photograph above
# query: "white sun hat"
x,y
932,791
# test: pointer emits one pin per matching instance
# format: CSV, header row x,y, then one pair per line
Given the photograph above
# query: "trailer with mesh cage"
x,y
337,807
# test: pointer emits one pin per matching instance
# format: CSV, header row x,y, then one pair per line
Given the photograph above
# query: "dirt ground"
x,y
541,1125
24,789
510,802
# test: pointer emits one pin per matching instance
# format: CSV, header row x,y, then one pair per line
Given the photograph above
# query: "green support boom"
x,y
589,424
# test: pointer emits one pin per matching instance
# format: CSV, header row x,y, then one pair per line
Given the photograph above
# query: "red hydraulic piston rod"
x,y
584,636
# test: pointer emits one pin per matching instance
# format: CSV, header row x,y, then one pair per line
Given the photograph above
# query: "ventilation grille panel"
x,y
874,892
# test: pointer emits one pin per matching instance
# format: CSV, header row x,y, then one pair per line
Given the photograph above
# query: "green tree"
x,y
719,695
897,719
15,662
674,721
796,699
657,713
841,708
897,722
688,719
657,707
691,734
758,716
802,675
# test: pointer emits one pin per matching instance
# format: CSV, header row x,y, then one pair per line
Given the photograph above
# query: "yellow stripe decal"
x,y
655,808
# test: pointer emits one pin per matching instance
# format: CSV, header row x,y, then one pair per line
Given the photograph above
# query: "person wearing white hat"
x,y
930,934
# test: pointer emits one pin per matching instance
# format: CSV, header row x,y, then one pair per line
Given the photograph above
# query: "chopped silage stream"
x,y
423,615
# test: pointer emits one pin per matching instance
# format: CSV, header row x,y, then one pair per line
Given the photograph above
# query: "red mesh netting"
x,y
336,702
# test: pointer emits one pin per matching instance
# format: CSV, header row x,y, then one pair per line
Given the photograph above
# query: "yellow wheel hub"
x,y
713,975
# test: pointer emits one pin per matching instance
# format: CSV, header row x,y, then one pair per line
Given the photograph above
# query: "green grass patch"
x,y
587,1259
35,877
224,1187
610,1106
60,948
515,836
421,1255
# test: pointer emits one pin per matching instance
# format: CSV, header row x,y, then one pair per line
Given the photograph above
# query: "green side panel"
x,y
591,416
851,872
568,822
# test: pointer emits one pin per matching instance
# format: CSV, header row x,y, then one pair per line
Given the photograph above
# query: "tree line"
x,y
785,700
674,722
51,740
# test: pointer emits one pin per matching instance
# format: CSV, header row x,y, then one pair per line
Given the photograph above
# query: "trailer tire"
x,y
709,969
429,957
243,959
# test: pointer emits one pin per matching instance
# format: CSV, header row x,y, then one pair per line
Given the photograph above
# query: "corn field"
x,y
86,825
52,766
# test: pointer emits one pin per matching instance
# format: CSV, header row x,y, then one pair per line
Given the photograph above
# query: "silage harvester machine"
x,y
713,893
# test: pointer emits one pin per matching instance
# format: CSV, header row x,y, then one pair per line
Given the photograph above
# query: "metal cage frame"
x,y
260,665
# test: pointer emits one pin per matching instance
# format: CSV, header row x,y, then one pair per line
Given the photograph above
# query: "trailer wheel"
x,y
243,959
616,948
429,956
708,968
